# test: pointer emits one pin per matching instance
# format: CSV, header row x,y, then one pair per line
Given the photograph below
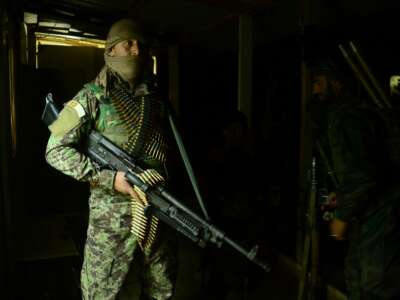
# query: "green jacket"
x,y
355,149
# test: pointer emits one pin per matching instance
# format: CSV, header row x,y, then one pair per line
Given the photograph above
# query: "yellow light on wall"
x,y
154,64
53,39
68,40
12,88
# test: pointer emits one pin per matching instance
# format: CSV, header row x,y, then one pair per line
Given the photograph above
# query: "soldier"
x,y
117,105
367,198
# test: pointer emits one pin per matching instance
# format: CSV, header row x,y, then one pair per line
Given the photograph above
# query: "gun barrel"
x,y
251,255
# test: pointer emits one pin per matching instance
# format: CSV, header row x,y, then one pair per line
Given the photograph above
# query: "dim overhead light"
x,y
30,18
47,24
89,34
67,13
63,25
59,30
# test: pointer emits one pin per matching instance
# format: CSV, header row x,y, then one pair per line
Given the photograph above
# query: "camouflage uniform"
x,y
368,199
110,245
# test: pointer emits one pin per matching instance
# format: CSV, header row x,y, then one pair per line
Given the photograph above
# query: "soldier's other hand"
x,y
124,187
338,229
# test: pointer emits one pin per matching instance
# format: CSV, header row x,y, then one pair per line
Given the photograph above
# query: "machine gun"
x,y
162,204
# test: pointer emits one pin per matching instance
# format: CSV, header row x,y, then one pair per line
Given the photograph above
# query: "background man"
x,y
367,198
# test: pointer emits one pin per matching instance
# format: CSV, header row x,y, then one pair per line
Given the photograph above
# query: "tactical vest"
x,y
134,122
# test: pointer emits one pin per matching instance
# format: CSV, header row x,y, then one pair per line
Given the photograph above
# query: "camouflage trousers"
x,y
372,266
111,251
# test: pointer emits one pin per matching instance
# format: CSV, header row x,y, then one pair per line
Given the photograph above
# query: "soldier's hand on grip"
x,y
124,187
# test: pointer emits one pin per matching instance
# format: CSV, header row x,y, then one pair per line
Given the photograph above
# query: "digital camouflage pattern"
x,y
368,199
110,246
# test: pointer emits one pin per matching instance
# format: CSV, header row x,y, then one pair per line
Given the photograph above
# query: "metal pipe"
x,y
245,66
188,166
370,75
6,258
360,76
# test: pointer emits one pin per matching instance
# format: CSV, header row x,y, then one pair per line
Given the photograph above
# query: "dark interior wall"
x,y
9,51
276,103
209,78
71,66
62,71
4,165
208,90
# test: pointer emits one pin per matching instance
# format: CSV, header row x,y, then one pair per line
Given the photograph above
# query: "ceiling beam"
x,y
239,6
92,21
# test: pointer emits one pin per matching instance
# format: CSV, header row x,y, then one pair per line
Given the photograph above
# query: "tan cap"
x,y
122,30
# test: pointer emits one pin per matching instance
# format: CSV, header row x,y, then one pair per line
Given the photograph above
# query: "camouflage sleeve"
x,y
352,143
67,133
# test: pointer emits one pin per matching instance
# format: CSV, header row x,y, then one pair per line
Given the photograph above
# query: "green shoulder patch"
x,y
77,106
69,117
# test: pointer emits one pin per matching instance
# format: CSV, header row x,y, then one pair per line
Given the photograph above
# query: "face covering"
x,y
128,67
